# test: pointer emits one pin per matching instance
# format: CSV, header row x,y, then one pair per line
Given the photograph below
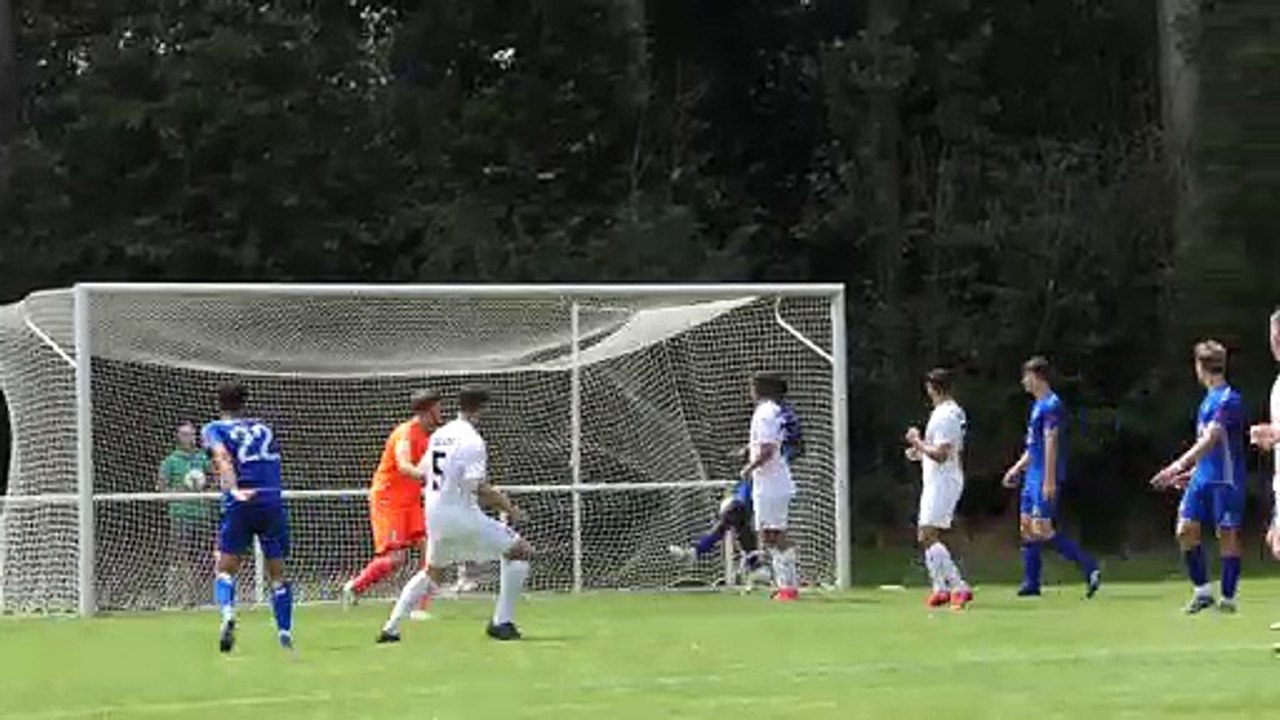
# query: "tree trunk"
x,y
8,98
632,24
1179,95
880,158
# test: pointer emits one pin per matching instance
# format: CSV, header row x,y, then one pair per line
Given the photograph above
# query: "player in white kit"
x,y
939,451
1267,437
456,468
772,487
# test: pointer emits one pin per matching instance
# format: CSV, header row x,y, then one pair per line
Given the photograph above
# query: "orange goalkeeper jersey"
x,y
388,482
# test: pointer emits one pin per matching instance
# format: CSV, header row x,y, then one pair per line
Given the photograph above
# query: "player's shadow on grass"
x,y
842,600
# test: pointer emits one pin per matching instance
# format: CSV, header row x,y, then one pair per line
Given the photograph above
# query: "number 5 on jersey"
x,y
436,472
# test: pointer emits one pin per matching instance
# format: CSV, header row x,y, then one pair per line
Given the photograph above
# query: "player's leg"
x,y
771,521
425,583
937,512
387,557
1069,549
708,541
1191,511
513,572
233,543
1031,542
273,535
738,518
1228,512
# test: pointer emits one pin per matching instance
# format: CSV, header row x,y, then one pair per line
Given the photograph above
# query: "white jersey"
x,y
946,427
774,476
455,464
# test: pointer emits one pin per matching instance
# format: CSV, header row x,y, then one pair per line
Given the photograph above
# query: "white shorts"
x,y
938,502
771,510
455,536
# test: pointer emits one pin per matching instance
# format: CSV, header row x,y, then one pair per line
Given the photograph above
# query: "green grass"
x,y
870,653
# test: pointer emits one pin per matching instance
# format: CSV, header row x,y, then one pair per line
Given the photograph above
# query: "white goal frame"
x,y
85,500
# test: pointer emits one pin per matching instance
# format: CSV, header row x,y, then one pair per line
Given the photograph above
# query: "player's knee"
x,y
1229,542
275,570
1188,534
927,536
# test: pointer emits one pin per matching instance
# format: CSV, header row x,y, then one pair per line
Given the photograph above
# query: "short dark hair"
x,y
1212,355
232,396
769,384
939,379
423,400
473,397
1038,366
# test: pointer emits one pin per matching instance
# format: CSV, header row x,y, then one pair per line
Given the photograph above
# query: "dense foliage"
x,y
988,179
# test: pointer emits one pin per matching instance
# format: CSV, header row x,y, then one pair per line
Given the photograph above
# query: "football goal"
x,y
615,411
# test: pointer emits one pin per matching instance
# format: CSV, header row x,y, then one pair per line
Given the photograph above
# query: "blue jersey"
x,y
1046,414
1224,464
742,493
792,435
254,453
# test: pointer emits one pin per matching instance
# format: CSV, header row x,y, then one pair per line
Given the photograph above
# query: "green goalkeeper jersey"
x,y
185,471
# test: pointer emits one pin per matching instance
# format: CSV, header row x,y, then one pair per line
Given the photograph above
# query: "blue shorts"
x,y
242,522
1034,505
1213,504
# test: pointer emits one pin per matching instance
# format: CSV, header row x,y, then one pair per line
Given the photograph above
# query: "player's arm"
x,y
938,452
492,498
162,477
1016,470
764,453
1265,436
405,463
1213,433
1050,484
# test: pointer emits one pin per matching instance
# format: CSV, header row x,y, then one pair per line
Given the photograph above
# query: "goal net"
x,y
615,410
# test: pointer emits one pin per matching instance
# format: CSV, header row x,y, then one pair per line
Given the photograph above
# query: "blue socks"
x,y
1069,550
708,542
224,594
1194,558
1031,561
1230,576
282,607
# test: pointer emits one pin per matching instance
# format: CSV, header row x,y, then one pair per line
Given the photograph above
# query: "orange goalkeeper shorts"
x,y
396,525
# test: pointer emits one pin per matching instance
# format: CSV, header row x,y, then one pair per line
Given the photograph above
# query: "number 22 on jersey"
x,y
253,443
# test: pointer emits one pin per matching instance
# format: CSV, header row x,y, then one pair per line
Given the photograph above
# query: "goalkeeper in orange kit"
x,y
395,501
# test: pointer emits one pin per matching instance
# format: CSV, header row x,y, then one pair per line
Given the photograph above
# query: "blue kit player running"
x,y
1213,474
1044,461
246,457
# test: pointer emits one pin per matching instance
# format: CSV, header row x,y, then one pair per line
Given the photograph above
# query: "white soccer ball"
x,y
195,479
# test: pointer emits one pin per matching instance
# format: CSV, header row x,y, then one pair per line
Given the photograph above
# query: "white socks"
x,y
942,569
419,586
784,568
514,573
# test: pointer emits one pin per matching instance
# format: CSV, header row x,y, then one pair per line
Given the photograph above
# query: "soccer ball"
x,y
195,479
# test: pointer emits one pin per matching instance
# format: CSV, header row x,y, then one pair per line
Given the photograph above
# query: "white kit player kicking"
x,y
1266,437
456,468
939,452
772,487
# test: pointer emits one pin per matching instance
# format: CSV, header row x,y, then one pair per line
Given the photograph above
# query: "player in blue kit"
x,y
1044,462
735,515
1213,475
246,458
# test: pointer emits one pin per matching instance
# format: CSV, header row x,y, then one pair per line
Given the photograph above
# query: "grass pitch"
x,y
867,654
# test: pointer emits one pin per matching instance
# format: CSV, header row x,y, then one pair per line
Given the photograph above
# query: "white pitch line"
x,y
727,673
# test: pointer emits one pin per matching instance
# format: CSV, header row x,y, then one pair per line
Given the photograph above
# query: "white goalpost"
x,y
615,410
